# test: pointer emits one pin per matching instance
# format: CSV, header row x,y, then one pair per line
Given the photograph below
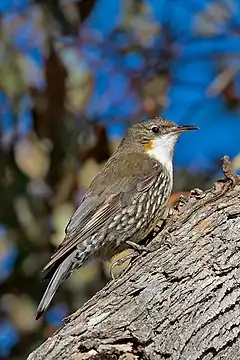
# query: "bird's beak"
x,y
183,128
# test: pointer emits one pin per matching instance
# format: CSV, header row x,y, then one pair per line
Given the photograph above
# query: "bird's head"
x,y
156,137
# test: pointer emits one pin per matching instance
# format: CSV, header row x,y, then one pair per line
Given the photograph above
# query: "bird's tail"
x,y
62,273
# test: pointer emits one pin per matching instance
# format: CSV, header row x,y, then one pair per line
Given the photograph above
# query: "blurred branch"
x,y
54,7
223,80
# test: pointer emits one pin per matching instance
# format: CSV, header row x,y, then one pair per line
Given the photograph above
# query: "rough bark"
x,y
180,301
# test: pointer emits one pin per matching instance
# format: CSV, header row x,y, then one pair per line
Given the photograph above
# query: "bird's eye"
x,y
155,129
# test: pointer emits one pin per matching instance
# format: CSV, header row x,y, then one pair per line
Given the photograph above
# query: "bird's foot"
x,y
120,262
137,247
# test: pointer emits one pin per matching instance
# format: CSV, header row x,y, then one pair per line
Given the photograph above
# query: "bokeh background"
x,y
73,76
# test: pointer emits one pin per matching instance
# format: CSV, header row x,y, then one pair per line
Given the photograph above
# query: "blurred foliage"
x,y
73,76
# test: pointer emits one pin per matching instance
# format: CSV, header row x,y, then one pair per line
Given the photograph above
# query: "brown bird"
x,y
124,202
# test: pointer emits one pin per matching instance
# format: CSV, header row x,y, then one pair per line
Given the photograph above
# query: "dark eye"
x,y
155,129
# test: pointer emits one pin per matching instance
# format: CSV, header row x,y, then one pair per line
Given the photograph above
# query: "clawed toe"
x,y
137,247
120,262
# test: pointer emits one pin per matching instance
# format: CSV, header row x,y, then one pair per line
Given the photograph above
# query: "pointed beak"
x,y
182,128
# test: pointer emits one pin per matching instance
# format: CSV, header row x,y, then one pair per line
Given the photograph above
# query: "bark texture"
x,y
179,302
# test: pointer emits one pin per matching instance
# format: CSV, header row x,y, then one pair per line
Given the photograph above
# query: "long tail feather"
x,y
61,274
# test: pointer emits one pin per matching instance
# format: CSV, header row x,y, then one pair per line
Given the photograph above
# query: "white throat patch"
x,y
162,150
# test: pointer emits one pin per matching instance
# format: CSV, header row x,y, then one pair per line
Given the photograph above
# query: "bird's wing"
x,y
94,211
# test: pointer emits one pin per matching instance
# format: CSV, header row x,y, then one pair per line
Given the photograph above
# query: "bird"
x,y
123,204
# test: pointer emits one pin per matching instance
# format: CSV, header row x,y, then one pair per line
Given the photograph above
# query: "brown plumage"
x,y
124,202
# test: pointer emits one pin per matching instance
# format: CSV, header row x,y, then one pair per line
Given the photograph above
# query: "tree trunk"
x,y
178,301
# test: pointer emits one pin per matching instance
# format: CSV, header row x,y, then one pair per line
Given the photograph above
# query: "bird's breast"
x,y
143,211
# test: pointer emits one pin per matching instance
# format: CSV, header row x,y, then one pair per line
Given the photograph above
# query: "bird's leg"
x,y
119,262
137,247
